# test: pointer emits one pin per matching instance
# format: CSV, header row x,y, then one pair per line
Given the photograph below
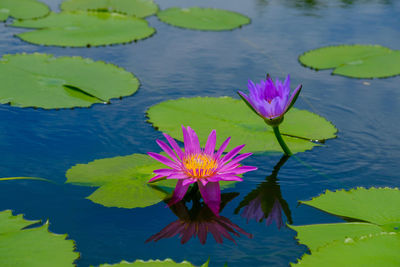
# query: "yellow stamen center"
x,y
199,165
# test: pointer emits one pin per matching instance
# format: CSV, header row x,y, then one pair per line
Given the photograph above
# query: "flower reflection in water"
x,y
199,220
266,202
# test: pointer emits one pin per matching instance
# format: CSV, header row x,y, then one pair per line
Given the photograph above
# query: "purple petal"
x,y
163,159
202,232
179,192
167,149
230,178
293,98
211,194
174,145
210,145
195,140
188,233
188,181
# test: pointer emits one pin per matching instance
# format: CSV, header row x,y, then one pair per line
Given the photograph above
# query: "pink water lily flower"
x,y
270,100
197,165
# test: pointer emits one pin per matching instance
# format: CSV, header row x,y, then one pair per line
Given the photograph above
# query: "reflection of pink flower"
x,y
199,165
203,222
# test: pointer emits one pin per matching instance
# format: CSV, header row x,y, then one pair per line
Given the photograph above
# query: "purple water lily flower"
x,y
202,166
270,100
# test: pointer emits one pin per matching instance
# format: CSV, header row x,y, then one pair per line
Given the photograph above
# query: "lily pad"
x,y
206,19
41,80
137,8
81,28
375,205
22,9
122,181
231,117
153,263
372,250
319,235
33,247
357,61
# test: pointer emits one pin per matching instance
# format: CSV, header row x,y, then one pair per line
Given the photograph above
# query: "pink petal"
x,y
194,140
230,178
202,232
179,193
188,181
232,153
186,140
163,159
211,194
167,149
188,233
174,145
210,145
155,178
177,175
222,148
165,172
235,161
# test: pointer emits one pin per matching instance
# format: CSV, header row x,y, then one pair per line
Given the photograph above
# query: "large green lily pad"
x,y
122,181
137,8
319,235
153,263
41,80
374,205
207,19
80,28
231,117
22,9
377,207
368,251
357,61
33,247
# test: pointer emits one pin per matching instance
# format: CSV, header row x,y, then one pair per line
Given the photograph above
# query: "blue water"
x,y
183,63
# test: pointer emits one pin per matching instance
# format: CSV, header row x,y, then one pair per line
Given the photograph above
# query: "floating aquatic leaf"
x,y
41,80
371,250
137,8
319,235
22,9
207,19
80,28
33,247
122,181
231,117
357,61
375,205
153,263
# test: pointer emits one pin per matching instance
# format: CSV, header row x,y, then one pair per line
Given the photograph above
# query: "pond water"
x,y
183,63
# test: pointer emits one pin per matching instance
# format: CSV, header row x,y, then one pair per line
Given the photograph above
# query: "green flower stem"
x,y
282,143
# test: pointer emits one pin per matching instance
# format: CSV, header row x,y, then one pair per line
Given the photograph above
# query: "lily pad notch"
x,y
204,19
355,61
44,81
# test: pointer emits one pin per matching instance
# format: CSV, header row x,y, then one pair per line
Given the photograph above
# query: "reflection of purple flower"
x,y
199,165
198,223
254,210
270,101
275,214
